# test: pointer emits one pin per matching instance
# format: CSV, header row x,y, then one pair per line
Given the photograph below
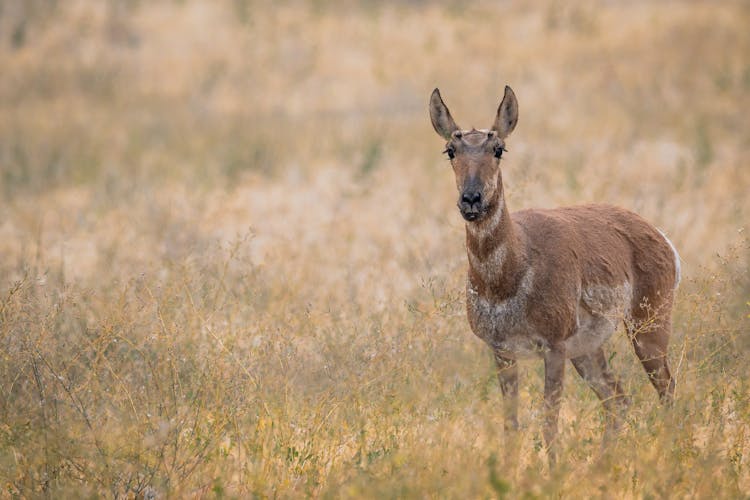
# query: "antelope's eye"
x,y
450,152
499,151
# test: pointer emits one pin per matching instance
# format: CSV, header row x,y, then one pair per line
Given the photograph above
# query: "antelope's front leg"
x,y
507,374
554,373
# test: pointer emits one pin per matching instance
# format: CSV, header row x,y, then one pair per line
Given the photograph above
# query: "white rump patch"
x,y
677,267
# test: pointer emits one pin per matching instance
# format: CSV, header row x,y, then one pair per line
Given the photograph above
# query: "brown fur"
x,y
555,283
592,245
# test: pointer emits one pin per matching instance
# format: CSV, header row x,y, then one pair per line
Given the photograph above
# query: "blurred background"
x,y
248,197
129,106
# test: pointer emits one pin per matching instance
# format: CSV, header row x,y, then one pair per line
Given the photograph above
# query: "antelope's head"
x,y
475,154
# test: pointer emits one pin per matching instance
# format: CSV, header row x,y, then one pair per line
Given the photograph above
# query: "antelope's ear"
x,y
507,114
441,118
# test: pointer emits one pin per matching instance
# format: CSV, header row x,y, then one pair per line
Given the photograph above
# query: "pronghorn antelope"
x,y
556,283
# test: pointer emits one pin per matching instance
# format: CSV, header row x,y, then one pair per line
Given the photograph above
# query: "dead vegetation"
x,y
232,264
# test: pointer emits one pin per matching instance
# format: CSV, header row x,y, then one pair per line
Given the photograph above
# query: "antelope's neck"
x,y
496,255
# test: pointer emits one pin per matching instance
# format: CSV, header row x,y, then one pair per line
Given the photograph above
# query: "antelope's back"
x,y
602,245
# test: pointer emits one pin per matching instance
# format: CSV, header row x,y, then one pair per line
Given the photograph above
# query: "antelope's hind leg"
x,y
593,368
650,332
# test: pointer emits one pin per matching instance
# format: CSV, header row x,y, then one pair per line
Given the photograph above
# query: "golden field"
x,y
231,262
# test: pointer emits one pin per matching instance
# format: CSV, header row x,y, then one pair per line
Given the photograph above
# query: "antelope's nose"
x,y
470,205
471,198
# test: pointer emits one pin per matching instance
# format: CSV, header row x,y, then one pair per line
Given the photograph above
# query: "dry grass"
x,y
232,265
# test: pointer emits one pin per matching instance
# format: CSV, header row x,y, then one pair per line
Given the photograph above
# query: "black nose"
x,y
471,198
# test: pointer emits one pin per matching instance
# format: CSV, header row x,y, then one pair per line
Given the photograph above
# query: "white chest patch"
x,y
504,325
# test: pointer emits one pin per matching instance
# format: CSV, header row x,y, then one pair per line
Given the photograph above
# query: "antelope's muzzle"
x,y
470,204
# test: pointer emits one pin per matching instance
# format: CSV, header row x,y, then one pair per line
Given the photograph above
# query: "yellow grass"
x,y
232,263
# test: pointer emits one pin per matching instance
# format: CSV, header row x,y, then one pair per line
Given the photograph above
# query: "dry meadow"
x,y
231,262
